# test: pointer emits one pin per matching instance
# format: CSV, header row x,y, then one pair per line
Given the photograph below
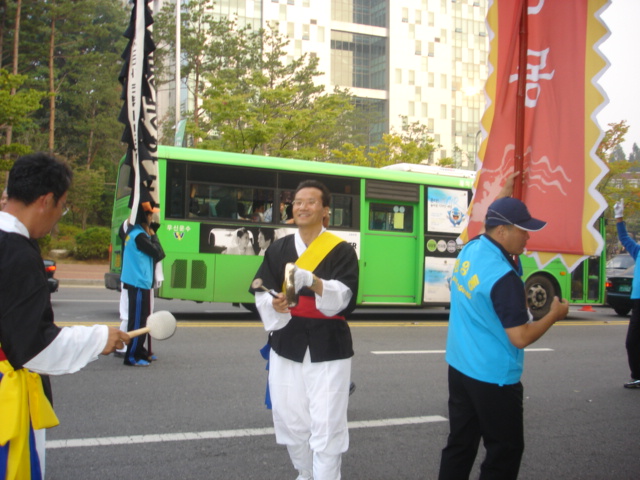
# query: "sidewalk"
x,y
81,274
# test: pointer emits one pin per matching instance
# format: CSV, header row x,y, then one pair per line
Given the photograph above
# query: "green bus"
x,y
219,211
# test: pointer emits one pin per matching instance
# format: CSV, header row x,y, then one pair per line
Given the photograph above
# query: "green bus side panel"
x,y
234,274
188,276
388,275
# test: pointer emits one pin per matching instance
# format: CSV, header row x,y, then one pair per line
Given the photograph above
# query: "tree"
x,y
85,193
411,145
207,44
634,156
257,103
620,180
15,110
71,49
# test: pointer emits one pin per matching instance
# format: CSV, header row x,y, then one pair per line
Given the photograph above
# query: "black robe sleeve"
x,y
26,316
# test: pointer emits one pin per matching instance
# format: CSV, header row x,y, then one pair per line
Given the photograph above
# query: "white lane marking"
x,y
423,352
72,300
221,434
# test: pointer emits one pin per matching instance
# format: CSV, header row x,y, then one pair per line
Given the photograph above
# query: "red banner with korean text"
x,y
560,169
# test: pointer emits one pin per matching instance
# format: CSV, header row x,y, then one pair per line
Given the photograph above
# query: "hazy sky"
x,y
621,81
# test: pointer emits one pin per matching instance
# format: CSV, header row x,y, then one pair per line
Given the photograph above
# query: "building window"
x,y
358,60
362,12
374,114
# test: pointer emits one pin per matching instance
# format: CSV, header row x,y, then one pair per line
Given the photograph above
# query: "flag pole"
x,y
520,102
177,73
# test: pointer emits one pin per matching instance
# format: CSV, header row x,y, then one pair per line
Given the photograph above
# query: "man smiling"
x,y
311,346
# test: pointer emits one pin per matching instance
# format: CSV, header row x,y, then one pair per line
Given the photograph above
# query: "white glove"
x,y
302,278
618,209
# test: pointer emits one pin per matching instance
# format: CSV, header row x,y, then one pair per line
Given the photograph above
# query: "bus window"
x,y
340,211
175,196
391,218
123,189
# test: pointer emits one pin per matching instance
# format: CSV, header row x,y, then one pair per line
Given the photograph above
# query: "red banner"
x,y
560,168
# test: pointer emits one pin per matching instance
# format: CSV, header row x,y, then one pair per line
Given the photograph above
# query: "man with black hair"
x,y
311,345
31,345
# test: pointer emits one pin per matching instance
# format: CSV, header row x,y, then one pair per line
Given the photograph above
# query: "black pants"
x,y
633,341
139,309
488,411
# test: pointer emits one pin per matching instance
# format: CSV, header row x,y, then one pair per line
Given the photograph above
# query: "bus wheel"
x,y
540,292
251,307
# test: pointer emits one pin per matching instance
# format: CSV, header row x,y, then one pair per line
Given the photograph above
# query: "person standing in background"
x,y
142,250
632,342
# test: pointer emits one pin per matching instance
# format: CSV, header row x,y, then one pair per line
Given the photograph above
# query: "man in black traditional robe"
x,y
31,345
311,345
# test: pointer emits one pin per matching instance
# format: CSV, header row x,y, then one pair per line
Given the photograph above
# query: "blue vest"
x,y
477,343
137,266
633,248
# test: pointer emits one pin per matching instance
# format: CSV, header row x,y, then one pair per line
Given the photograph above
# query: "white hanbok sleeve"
x,y
335,297
271,319
72,349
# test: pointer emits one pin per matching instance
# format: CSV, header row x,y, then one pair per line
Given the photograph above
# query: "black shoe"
x,y
352,388
632,384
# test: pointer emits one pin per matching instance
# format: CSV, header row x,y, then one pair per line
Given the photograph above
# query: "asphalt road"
x,y
198,412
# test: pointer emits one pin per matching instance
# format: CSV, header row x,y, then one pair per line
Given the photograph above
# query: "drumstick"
x,y
160,325
257,283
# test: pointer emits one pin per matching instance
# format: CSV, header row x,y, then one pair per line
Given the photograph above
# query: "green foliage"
x,y
411,145
86,192
45,244
93,243
65,239
78,71
619,182
16,105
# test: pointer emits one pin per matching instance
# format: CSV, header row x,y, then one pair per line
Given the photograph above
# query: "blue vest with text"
x,y
137,266
477,343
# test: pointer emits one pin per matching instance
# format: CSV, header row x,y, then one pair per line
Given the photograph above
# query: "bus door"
x,y
389,271
587,282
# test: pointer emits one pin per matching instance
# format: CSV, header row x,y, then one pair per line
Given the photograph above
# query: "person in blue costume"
x,y
489,327
632,342
142,250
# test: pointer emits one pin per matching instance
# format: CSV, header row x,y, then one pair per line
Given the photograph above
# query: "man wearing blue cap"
x,y
489,327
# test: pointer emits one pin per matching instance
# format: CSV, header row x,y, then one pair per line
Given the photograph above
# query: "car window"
x,y
621,261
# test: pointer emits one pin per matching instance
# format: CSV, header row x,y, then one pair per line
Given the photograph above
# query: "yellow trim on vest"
x,y
22,402
319,248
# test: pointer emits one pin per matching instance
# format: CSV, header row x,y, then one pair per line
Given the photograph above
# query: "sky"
x,y
621,81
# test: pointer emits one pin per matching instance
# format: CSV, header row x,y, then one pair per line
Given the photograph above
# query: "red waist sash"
x,y
307,308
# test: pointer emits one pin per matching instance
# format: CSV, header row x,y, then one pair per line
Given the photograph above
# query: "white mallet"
x,y
160,325
257,284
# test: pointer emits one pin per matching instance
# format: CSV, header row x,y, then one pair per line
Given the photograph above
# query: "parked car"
x,y
619,291
619,263
50,269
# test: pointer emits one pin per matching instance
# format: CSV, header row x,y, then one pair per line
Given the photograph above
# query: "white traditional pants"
x,y
310,403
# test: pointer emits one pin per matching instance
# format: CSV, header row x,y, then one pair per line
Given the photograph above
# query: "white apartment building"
x,y
419,60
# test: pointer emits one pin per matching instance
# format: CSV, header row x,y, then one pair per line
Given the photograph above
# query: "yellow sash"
x,y
22,401
319,248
